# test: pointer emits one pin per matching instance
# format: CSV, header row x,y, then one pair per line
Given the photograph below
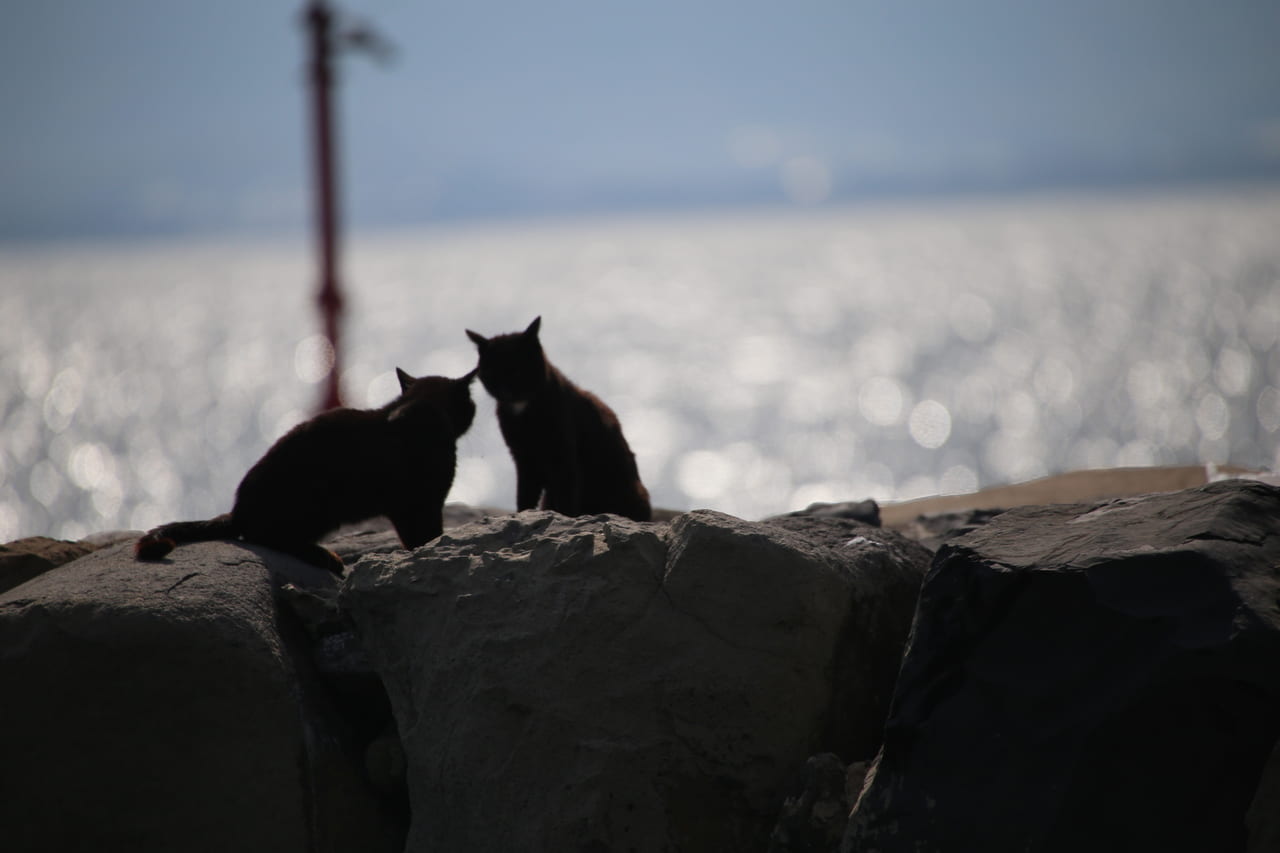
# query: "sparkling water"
x,y
758,361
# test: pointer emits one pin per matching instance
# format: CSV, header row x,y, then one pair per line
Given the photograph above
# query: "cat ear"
x,y
466,380
532,331
405,379
478,339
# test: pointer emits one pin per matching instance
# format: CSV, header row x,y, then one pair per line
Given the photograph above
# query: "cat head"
x,y
434,400
512,367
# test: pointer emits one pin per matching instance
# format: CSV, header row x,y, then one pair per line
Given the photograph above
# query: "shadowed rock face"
x,y
172,706
563,683
1088,677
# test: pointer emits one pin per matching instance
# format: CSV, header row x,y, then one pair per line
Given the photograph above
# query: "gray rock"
x,y
598,683
172,706
1090,677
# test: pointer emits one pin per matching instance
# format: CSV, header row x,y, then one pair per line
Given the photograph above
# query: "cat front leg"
x,y
564,492
564,480
417,529
528,488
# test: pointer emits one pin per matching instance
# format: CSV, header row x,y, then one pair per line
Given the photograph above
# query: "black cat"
x,y
567,444
344,466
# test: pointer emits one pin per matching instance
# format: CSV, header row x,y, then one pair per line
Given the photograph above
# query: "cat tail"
x,y
159,541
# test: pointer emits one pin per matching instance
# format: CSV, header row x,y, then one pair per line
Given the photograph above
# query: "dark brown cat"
x,y
567,444
344,466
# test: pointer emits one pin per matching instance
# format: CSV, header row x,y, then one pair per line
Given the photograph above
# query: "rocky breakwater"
x,y
601,684
1091,677
1096,676
559,684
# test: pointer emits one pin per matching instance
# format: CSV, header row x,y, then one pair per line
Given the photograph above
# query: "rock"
x,y
172,706
839,532
24,559
458,514
935,530
602,684
1088,677
867,511
104,538
856,777
1263,819
814,815
890,568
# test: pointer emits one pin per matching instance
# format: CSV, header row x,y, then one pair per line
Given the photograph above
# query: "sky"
x,y
158,117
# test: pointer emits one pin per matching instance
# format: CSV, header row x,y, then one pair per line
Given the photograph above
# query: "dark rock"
x,y
856,777
24,559
172,706
316,609
936,529
814,815
839,532
1263,819
599,683
890,568
1091,677
867,511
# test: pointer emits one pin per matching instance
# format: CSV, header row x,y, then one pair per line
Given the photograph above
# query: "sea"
x,y
759,360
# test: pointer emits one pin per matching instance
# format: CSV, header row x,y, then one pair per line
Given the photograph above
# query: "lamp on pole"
x,y
320,23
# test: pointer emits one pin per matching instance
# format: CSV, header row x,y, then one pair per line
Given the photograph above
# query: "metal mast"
x,y
323,42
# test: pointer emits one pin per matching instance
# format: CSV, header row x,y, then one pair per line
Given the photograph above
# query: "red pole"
x,y
320,21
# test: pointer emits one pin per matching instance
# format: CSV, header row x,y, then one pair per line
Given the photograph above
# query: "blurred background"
x,y
808,251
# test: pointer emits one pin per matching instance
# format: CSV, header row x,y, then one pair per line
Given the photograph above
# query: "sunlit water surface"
x,y
758,362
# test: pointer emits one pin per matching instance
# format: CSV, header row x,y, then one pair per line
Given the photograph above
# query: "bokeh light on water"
x,y
758,363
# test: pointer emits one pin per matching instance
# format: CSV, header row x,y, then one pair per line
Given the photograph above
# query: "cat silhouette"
x,y
567,445
344,466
